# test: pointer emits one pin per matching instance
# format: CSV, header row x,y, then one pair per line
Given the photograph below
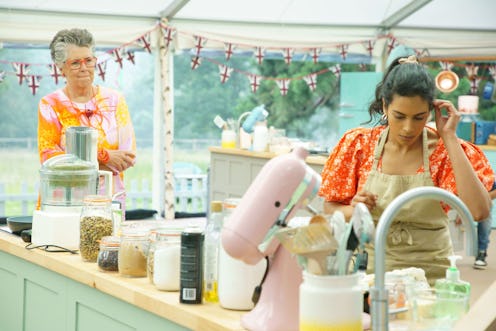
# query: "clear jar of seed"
x,y
108,254
96,223
133,253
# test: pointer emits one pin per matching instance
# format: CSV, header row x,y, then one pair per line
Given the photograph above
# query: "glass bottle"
x,y
163,264
96,223
211,252
133,252
108,255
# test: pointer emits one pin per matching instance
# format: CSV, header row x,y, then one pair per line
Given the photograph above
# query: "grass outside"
x,y
21,167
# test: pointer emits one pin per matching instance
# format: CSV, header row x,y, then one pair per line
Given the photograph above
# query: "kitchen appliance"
x,y
284,184
82,142
64,182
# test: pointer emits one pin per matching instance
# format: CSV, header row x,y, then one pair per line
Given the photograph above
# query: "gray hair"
x,y
65,38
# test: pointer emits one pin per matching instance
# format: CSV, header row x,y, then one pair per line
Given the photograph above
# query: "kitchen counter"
x,y
31,279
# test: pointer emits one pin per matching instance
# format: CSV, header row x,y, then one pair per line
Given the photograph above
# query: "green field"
x,y
19,171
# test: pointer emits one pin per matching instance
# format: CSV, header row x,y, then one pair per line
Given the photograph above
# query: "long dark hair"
x,y
404,79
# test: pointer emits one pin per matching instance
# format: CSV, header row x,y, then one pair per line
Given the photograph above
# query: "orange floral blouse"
x,y
107,113
350,162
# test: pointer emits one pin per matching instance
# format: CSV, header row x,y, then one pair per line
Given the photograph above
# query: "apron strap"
x,y
379,147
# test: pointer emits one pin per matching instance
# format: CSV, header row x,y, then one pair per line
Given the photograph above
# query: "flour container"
x,y
330,303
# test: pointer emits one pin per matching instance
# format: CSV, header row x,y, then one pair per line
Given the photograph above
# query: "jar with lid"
x,y
95,223
108,255
133,253
163,264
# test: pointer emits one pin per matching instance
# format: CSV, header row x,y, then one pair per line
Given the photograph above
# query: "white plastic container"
x,y
331,303
237,280
260,137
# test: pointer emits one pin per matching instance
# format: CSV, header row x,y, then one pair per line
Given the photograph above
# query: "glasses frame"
x,y
79,62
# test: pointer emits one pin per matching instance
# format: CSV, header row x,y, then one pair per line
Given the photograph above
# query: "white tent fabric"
x,y
441,28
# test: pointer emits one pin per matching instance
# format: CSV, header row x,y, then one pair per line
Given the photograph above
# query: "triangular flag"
x,y
391,44
102,68
117,55
144,41
446,65
311,81
225,73
343,51
369,46
316,54
54,72
336,70
283,86
168,34
474,85
22,70
259,54
34,83
195,62
130,57
199,42
472,71
288,55
229,50
254,82
492,71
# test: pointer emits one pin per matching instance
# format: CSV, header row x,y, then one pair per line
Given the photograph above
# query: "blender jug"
x,y
82,142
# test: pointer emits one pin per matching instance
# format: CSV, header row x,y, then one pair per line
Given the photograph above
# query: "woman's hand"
x,y
446,125
119,160
365,197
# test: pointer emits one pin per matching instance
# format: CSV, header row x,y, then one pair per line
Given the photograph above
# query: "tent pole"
x,y
166,74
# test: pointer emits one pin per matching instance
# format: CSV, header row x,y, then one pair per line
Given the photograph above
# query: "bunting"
x,y
229,50
311,81
22,69
169,33
54,72
254,82
34,83
283,86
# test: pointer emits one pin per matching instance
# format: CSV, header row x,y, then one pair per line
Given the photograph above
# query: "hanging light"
x,y
447,81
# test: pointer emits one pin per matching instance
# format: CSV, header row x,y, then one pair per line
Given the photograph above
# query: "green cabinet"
x,y
36,299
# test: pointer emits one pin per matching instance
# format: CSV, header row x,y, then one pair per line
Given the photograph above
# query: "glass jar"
x,y
163,264
133,253
96,223
109,253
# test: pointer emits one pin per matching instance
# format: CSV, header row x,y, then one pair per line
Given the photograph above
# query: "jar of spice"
x,y
108,255
96,223
133,253
163,265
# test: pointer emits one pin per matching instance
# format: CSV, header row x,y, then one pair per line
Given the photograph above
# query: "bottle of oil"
x,y
211,252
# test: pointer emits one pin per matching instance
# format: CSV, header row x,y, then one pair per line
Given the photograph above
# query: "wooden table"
x,y
45,291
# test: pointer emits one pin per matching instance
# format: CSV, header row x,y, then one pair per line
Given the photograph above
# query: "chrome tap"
x,y
379,294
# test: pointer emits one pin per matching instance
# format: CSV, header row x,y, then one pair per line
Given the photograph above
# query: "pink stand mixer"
x,y
285,184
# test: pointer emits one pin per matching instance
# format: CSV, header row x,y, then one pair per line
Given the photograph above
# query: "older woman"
x,y
375,165
81,103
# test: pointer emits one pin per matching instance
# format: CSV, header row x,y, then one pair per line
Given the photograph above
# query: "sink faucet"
x,y
379,294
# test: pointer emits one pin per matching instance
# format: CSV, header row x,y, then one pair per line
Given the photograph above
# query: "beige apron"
x,y
419,235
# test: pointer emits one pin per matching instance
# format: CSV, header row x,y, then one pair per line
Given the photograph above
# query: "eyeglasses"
x,y
76,64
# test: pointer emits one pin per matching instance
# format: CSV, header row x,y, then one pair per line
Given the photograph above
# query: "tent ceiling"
x,y
443,27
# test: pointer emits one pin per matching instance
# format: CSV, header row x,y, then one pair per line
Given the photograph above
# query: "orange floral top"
x,y
350,162
107,112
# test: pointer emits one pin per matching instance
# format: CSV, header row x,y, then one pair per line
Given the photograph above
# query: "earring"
x,y
384,118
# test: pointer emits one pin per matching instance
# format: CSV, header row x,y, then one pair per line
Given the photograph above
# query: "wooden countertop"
x,y
136,291
311,159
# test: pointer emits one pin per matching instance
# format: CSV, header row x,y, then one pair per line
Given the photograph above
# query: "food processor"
x,y
65,180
